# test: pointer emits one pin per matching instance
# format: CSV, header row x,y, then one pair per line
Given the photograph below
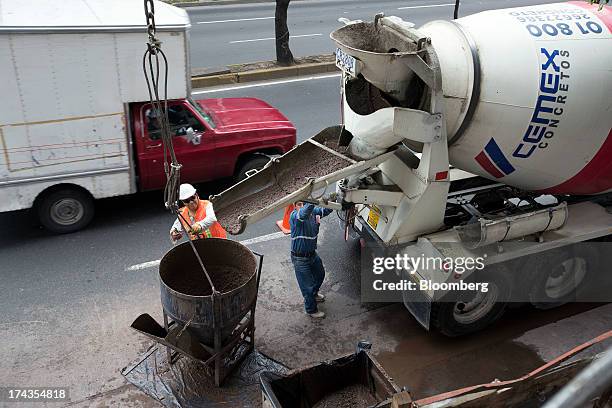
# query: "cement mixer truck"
x,y
487,137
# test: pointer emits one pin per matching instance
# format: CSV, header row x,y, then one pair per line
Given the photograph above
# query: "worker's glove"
x,y
175,235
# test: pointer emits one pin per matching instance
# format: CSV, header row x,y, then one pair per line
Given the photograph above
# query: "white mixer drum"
x,y
529,95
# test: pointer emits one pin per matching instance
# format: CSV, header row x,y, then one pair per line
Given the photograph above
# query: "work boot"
x,y
320,298
317,315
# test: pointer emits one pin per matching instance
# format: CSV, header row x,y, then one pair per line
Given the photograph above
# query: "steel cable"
x,y
172,168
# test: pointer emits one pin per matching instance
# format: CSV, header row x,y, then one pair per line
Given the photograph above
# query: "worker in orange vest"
x,y
199,215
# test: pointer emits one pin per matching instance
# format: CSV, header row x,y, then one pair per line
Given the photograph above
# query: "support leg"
x,y
168,349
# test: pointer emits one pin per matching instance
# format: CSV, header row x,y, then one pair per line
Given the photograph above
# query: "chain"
x,y
150,16
152,67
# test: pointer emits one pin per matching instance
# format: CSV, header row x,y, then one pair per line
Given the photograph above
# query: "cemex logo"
x,y
492,159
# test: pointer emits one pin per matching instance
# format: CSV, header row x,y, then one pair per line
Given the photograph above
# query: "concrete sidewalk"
x,y
426,363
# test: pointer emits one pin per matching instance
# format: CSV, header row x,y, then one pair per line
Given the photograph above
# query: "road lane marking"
x,y
268,83
143,265
28,322
234,20
273,38
251,241
429,6
263,238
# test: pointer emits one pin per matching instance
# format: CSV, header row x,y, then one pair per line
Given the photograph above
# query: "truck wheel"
x,y
560,274
65,210
462,316
254,163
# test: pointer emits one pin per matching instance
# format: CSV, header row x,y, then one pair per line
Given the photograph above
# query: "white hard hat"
x,y
186,191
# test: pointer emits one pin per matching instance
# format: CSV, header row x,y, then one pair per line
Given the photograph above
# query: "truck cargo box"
x,y
69,69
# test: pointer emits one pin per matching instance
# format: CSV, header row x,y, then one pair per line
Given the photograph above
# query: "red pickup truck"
x,y
213,139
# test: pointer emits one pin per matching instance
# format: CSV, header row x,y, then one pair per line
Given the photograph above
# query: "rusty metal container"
x,y
352,380
186,294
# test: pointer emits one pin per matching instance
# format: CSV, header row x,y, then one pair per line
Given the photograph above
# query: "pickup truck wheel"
x,y
255,163
469,314
560,274
65,210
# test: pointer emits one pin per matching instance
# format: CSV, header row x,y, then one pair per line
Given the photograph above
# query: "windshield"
x,y
202,112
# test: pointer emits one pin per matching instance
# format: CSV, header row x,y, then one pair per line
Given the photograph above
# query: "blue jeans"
x,y
309,273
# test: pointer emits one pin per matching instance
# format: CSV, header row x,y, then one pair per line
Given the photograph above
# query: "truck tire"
x,y
254,163
65,210
460,317
560,274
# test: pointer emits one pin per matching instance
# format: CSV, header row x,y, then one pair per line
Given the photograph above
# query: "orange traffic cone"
x,y
284,223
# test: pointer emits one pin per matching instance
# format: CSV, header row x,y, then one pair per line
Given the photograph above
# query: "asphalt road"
x,y
233,34
67,300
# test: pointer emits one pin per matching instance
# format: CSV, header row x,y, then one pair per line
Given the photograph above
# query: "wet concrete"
x,y
371,38
314,163
353,396
228,266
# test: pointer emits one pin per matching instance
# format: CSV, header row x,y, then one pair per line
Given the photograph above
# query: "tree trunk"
x,y
283,53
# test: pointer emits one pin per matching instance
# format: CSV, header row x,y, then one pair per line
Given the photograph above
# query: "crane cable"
x,y
152,70
172,168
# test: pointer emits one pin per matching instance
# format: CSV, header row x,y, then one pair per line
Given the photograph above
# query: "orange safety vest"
x,y
215,230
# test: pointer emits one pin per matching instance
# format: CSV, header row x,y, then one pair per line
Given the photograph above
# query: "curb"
x,y
203,3
262,74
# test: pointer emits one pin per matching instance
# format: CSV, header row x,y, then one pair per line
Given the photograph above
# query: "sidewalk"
x,y
427,363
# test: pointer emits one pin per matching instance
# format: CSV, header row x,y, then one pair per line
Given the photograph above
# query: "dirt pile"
x,y
353,396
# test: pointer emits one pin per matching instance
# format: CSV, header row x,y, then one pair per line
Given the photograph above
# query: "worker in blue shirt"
x,y
309,271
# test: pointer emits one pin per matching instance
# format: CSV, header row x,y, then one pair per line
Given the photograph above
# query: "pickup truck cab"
x,y
213,139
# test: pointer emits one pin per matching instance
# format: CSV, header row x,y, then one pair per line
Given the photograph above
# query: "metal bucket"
x,y
187,297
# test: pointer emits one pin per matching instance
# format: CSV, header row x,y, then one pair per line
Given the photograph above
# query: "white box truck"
x,y
76,125
69,70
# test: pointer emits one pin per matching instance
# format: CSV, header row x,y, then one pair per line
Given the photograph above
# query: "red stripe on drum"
x,y
488,165
605,15
595,177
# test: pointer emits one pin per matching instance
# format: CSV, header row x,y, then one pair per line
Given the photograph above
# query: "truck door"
x,y
194,145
